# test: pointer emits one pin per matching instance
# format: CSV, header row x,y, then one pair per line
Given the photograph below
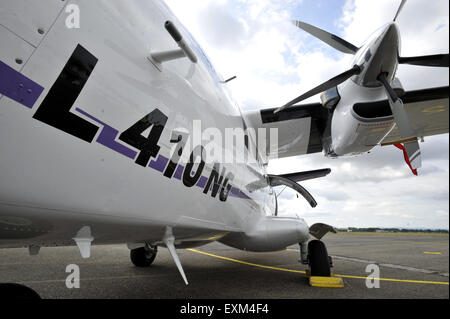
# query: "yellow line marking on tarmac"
x,y
432,252
435,109
88,279
303,272
247,263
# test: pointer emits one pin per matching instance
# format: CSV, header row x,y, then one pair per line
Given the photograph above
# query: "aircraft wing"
x,y
428,112
302,128
303,176
299,128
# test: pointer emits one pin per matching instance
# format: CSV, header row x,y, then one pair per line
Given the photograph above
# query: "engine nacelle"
x,y
359,123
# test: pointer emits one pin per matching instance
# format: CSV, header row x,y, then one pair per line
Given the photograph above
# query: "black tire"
x,y
16,291
318,259
142,257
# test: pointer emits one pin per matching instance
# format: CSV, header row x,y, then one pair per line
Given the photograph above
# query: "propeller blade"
x,y
330,39
401,118
437,60
323,87
399,9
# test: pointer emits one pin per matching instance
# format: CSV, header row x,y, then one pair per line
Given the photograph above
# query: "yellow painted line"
x,y
303,272
86,279
435,109
432,252
247,263
398,280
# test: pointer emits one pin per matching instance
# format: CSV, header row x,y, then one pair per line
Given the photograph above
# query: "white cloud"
x,y
442,213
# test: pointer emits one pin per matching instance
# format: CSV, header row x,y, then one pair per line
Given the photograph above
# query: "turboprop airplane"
x,y
96,124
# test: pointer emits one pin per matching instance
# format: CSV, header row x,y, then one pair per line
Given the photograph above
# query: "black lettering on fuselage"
x,y
215,179
226,187
55,108
189,180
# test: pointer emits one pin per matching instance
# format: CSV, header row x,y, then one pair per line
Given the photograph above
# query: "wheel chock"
x,y
308,273
330,282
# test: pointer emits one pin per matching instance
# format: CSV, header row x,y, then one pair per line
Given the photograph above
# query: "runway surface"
x,y
412,266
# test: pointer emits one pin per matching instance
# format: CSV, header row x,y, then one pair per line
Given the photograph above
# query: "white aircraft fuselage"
x,y
63,166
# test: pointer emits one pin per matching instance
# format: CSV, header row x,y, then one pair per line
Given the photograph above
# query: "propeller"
x,y
396,104
438,60
323,87
329,38
411,148
399,9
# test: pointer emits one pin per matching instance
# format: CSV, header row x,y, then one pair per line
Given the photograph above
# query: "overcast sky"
x,y
275,62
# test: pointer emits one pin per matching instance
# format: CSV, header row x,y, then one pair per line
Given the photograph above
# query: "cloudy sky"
x,y
275,62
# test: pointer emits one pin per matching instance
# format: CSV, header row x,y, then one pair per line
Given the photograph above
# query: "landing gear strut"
x,y
143,256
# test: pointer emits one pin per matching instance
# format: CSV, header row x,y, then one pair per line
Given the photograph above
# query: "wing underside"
x,y
300,129
427,111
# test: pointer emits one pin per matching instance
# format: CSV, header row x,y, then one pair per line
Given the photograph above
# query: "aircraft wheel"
x,y
318,259
142,257
16,291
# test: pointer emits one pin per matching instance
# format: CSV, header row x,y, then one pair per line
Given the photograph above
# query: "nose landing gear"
x,y
319,262
319,273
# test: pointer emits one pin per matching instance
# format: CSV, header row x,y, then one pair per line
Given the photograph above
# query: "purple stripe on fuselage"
x,y
159,164
18,87
179,172
23,90
202,182
236,192
108,136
